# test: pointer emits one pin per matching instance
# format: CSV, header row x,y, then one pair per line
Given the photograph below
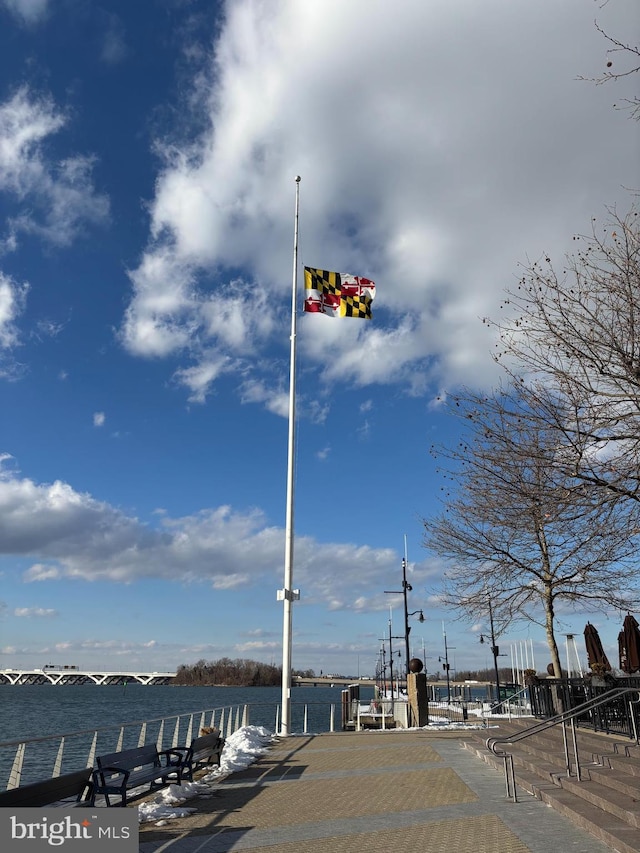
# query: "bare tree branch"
x,y
578,333
518,528
630,54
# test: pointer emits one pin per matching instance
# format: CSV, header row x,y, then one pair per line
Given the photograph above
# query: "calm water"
x,y
33,711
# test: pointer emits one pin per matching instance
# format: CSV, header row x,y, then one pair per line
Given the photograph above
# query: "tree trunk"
x,y
551,637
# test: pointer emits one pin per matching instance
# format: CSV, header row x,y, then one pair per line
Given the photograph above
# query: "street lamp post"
x,y
383,670
406,587
445,665
391,637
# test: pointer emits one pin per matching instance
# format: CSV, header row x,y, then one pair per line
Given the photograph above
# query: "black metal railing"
x,y
607,705
552,696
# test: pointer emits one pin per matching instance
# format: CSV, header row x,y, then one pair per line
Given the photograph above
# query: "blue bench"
x,y
118,773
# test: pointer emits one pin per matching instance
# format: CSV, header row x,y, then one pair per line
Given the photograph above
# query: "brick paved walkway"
x,y
409,792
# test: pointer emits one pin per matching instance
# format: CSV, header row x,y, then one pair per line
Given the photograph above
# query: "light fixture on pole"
x,y
406,587
408,627
391,654
445,663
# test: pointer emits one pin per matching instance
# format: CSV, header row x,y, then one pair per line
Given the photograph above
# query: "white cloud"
x,y
98,419
437,147
159,319
29,11
231,581
34,612
5,457
239,316
47,328
114,48
276,400
122,648
41,572
12,300
56,199
71,535
24,123
258,646
200,377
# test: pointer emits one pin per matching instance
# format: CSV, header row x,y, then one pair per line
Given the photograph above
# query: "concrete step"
x,y
620,757
623,805
608,810
593,748
627,761
620,781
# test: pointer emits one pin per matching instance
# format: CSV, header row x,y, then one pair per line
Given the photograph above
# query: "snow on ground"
x,y
241,749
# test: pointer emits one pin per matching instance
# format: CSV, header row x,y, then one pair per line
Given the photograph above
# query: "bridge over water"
x,y
73,675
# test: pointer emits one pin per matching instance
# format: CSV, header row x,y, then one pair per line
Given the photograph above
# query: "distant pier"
x,y
457,688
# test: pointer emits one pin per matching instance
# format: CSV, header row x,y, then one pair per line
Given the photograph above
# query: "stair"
x,y
606,800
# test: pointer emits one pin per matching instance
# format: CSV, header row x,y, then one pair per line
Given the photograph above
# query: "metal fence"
x,y
34,759
388,713
553,696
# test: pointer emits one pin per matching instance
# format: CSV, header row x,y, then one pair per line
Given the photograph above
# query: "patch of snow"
x,y
241,749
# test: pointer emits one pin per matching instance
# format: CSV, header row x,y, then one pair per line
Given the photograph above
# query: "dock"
x,y
350,792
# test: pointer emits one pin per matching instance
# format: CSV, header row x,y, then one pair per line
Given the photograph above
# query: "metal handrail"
x,y
505,704
225,718
510,699
167,731
493,743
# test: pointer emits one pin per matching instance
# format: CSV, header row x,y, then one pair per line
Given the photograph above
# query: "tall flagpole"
x,y
289,595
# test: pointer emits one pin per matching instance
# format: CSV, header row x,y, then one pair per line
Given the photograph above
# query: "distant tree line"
x,y
506,675
233,673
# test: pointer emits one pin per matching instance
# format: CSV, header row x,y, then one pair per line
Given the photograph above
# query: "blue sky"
x,y
147,161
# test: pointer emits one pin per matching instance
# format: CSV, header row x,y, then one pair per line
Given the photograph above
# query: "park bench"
x,y
205,749
118,773
72,789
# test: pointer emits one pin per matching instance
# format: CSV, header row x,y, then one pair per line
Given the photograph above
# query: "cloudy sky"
x,y
148,154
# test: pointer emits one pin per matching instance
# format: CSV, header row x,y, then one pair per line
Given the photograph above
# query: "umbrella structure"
x,y
629,645
595,652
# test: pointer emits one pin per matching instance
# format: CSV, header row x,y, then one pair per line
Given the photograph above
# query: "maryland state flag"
x,y
338,294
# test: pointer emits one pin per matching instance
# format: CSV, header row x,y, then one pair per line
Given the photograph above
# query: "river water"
x,y
36,711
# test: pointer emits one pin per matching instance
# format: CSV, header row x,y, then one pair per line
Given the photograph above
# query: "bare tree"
x,y
577,333
517,529
623,60
544,507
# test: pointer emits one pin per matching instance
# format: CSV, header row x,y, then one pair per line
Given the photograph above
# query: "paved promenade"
x,y
406,792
